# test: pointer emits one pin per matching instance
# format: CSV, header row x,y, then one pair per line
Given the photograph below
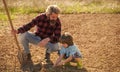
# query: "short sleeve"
x,y
62,51
72,52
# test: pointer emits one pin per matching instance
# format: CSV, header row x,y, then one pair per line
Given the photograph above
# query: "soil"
x,y
96,35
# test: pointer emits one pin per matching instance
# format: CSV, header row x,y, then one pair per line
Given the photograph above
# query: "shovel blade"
x,y
22,57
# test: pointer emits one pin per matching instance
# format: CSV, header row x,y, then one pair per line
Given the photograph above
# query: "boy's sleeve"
x,y
72,52
62,51
75,52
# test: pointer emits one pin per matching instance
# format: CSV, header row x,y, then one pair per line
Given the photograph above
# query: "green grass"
x,y
67,7
4,17
93,7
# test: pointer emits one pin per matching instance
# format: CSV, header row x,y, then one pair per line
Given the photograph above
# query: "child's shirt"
x,y
71,50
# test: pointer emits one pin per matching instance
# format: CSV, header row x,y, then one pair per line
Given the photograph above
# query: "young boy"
x,y
69,52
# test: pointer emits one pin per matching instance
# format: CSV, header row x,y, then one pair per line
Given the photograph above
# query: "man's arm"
x,y
28,26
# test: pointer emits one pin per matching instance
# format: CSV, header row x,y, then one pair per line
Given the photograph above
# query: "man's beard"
x,y
52,22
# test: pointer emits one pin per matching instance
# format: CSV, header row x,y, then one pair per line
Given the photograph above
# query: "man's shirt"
x,y
44,28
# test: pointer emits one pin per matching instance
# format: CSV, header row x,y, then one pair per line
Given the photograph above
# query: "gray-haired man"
x,y
47,33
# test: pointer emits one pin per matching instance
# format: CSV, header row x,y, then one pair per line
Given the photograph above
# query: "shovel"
x,y
22,56
20,53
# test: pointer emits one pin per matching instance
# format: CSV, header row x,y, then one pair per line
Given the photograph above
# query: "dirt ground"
x,y
97,36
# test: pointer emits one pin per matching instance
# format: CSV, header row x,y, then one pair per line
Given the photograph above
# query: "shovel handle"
x,y
9,18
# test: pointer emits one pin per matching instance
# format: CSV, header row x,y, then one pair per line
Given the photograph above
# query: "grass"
x,y
67,7
4,17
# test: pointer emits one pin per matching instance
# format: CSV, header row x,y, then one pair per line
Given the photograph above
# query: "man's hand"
x,y
54,65
44,42
14,32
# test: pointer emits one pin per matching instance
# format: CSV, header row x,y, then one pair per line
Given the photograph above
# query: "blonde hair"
x,y
52,9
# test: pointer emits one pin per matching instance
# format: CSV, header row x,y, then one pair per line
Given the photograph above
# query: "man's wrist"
x,y
17,31
48,39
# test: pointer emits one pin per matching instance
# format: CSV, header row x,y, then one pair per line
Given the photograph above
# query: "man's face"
x,y
53,18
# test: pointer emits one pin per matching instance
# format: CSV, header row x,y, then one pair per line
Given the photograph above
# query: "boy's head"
x,y
67,39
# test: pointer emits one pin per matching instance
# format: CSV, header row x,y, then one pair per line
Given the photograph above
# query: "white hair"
x,y
52,9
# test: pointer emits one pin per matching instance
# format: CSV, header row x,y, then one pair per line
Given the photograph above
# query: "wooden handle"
x,y
9,18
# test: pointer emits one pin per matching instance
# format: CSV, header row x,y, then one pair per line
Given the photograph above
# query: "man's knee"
x,y
52,47
23,36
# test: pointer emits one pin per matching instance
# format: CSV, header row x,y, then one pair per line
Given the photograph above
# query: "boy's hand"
x,y
55,65
61,63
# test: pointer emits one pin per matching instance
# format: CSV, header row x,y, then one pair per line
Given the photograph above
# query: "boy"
x,y
69,52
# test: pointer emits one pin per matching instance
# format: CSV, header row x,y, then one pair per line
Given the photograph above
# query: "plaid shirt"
x,y
44,28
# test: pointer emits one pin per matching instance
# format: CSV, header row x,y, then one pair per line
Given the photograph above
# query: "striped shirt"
x,y
43,28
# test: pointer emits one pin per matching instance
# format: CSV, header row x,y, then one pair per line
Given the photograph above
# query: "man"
x,y
47,33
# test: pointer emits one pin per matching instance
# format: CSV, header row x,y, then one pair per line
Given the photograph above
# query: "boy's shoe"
x,y
79,65
67,64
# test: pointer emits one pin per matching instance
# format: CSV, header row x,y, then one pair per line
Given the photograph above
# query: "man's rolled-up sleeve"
x,y
28,26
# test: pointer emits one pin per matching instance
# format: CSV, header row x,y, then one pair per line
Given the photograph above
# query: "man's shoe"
x,y
29,60
25,61
48,61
